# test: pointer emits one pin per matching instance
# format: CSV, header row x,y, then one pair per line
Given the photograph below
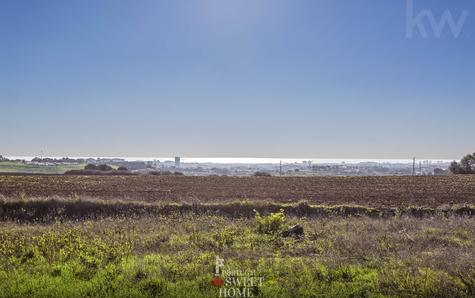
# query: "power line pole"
x,y
413,166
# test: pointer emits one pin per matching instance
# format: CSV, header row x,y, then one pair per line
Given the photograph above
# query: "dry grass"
x,y
51,209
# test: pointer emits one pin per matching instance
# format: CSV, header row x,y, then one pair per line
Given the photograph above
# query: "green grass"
x,y
20,167
173,255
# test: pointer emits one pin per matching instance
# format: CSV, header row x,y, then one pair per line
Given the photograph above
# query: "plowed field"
x,y
368,191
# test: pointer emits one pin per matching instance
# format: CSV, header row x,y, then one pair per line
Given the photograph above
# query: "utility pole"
x,y
413,166
420,167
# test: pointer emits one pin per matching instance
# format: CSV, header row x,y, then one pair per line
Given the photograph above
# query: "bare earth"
x,y
368,191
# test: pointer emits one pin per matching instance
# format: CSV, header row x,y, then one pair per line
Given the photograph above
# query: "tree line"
x,y
465,166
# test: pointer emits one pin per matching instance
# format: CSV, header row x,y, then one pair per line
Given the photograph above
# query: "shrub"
x,y
262,174
225,238
161,173
104,168
122,169
97,172
90,167
271,224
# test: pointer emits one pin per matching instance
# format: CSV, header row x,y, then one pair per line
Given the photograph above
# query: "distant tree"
x,y
90,167
466,165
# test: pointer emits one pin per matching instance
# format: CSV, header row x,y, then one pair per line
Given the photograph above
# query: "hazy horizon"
x,y
271,79
245,160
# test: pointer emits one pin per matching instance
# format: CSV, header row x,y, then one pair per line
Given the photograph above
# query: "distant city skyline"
x,y
244,160
272,79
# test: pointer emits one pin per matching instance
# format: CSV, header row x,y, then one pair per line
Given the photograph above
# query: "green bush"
x,y
271,224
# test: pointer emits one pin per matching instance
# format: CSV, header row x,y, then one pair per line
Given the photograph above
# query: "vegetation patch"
x,y
51,209
169,256
102,169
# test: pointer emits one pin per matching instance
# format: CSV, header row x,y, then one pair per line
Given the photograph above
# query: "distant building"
x,y
440,172
155,164
177,162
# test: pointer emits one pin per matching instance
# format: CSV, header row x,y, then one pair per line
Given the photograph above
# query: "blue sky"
x,y
290,79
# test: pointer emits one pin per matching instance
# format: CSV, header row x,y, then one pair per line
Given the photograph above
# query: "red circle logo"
x,y
217,281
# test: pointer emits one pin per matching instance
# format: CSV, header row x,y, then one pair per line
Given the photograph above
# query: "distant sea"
x,y
251,160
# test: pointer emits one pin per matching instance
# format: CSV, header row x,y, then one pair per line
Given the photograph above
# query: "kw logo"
x,y
418,22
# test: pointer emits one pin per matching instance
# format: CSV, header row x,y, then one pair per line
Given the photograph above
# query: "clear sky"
x,y
275,78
